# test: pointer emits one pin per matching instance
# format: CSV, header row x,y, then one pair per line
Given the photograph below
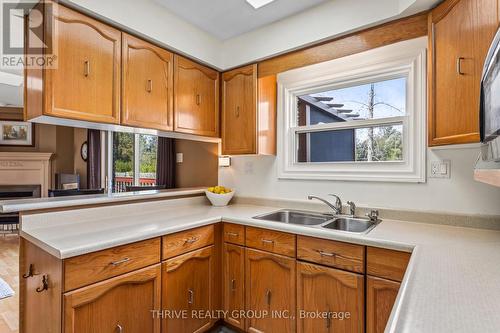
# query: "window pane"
x,y
123,161
373,144
376,100
148,147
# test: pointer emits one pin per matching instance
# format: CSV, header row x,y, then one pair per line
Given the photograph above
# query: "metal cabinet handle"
x,y
328,320
326,254
459,65
119,328
45,284
267,241
232,234
198,99
149,86
268,296
237,112
191,240
86,68
118,262
233,285
31,272
190,296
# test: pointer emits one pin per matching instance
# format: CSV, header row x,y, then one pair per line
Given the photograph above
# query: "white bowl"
x,y
219,200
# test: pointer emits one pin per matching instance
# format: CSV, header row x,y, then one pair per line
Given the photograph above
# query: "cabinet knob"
x,y
149,86
86,68
45,284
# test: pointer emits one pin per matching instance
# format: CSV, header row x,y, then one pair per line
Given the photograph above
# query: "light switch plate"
x,y
179,157
440,169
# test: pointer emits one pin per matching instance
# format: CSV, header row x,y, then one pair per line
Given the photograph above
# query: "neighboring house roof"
x,y
332,109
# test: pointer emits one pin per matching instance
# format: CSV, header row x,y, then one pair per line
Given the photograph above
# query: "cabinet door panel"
x,y
270,292
86,83
239,105
196,98
461,32
380,297
147,85
125,301
337,296
234,279
187,282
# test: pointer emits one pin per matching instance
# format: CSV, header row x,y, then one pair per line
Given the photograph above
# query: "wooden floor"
x,y
9,271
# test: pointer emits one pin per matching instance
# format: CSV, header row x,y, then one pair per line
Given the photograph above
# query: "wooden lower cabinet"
x,y
120,304
234,284
269,292
187,291
380,297
329,300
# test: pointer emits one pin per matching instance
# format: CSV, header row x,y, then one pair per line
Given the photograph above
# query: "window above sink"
x,y
361,117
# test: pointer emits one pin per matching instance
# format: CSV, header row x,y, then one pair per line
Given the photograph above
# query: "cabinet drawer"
x,y
272,241
331,253
387,264
234,233
189,240
97,266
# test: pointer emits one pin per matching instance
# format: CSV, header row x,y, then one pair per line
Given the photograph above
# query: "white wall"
x,y
324,21
256,176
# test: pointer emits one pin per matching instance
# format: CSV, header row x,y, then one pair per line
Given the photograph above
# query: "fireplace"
x,y
9,222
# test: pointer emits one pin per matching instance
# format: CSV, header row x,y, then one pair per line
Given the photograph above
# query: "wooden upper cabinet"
x,y
337,294
239,118
187,285
460,34
147,85
196,98
248,112
270,288
85,81
120,304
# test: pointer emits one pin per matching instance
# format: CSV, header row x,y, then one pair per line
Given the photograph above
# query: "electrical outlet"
x,y
440,169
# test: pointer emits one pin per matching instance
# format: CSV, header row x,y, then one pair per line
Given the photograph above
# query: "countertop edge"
x,y
22,205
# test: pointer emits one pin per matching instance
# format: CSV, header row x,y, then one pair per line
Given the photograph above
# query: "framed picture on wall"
x,y
17,133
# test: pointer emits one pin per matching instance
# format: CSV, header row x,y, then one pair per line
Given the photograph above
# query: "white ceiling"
x,y
225,19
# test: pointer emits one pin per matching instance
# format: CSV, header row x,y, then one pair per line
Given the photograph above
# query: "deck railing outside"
x,y
124,179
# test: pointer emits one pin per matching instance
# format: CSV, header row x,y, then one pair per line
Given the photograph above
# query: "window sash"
x,y
350,124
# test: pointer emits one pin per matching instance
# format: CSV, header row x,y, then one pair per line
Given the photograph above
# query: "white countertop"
x,y
452,283
21,205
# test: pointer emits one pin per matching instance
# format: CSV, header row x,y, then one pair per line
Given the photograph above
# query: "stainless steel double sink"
x,y
343,223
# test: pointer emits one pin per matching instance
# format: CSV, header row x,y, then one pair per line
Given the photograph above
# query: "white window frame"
x,y
403,59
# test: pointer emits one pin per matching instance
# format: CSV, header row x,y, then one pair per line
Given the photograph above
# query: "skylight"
x,y
259,3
